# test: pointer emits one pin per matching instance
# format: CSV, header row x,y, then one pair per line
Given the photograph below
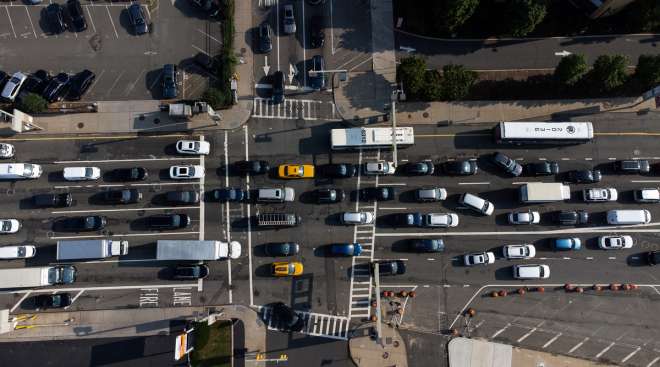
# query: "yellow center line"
x,y
97,137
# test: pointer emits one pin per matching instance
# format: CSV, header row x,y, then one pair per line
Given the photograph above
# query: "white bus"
x,y
371,138
544,132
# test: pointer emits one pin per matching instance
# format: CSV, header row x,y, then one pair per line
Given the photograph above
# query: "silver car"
x,y
289,20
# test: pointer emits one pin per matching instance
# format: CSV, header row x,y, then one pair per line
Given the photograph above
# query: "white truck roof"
x,y
542,192
24,277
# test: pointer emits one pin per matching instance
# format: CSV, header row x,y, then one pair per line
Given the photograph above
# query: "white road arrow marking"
x,y
266,66
293,71
563,53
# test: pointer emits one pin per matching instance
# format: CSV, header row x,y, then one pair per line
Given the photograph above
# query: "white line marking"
x,y
112,22
200,50
10,22
249,229
201,202
114,84
630,355
605,350
500,331
551,341
75,298
200,285
611,159
20,301
645,181
474,183
653,362
332,28
392,184
131,160
392,208
125,235
117,287
123,210
121,185
588,159
578,345
31,24
277,21
90,18
209,36
526,335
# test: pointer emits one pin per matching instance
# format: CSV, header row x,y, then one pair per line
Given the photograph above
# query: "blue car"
x,y
346,249
572,243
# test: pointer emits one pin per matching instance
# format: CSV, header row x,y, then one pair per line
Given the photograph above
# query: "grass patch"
x,y
219,94
212,345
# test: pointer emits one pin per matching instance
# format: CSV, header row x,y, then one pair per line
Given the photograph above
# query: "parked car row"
x,y
51,88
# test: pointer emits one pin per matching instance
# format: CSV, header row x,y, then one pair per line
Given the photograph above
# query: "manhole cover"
x,y
81,125
425,114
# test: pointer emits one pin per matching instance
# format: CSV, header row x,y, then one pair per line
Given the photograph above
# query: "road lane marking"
x,y
249,225
474,183
226,151
91,20
111,288
112,22
389,208
645,181
630,355
392,184
500,331
551,341
519,233
653,362
125,235
31,24
578,345
124,210
130,160
605,350
75,298
201,202
332,28
96,137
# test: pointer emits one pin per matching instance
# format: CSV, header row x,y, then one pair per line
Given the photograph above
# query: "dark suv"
x,y
639,166
168,221
389,267
169,81
80,83
278,87
126,196
460,168
79,224
77,15
316,34
265,38
54,15
509,165
52,200
545,168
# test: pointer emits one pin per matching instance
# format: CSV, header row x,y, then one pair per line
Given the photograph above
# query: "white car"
x,y
186,172
81,173
357,218
524,251
615,242
528,217
13,86
17,252
195,147
479,258
9,226
379,168
647,195
599,194
7,150
440,220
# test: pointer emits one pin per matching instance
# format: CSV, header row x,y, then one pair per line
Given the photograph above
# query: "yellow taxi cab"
x,y
295,171
284,268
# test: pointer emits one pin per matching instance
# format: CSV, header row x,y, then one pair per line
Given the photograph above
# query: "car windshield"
x,y
292,268
6,225
89,172
28,169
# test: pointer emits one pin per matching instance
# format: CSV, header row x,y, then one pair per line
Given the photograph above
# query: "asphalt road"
x,y
526,53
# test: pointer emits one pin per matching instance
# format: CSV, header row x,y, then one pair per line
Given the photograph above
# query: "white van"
x,y
275,195
16,171
81,173
628,216
17,252
476,203
531,271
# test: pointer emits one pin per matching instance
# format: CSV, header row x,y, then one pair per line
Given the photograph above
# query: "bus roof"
x,y
368,136
546,130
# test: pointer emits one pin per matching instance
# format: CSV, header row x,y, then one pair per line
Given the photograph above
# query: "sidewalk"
x,y
365,351
133,322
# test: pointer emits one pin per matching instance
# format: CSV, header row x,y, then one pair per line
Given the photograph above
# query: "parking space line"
x,y
500,331
125,235
20,301
630,355
31,24
115,83
361,63
112,22
90,18
130,86
10,22
75,298
605,350
526,335
551,341
200,50
123,210
578,345
653,362
209,36
121,185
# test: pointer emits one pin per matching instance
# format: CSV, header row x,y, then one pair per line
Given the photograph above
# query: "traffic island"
x,y
212,344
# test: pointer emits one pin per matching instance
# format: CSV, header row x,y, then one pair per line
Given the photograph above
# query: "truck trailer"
x,y
37,276
196,250
90,249
542,192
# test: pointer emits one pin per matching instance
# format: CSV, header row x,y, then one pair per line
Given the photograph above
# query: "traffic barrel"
x,y
412,294
521,291
579,289
597,287
614,287
494,294
540,289
471,312
503,293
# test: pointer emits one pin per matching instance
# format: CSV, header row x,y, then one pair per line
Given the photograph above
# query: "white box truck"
x,y
90,249
542,192
37,277
196,250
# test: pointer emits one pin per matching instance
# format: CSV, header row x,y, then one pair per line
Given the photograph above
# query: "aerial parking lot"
x,y
127,65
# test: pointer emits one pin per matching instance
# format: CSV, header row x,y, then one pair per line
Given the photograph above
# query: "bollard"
x,y
568,287
579,289
403,294
471,312
540,289
597,288
412,294
614,287
626,287
374,318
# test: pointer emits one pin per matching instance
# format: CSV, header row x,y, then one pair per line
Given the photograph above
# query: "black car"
x,y
634,166
316,34
126,196
46,301
4,77
544,168
252,167
35,83
380,193
407,219
57,88
80,224
284,317
190,272
420,168
653,257
585,176
265,38
53,200
427,245
209,7
137,19
509,165
169,81
76,15
316,75
130,174
572,217
281,249
339,170
54,14
278,87
460,168
389,267
80,83
168,221
182,197
329,195
231,194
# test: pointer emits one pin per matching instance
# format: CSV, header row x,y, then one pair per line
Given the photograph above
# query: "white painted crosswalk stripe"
x,y
293,109
322,325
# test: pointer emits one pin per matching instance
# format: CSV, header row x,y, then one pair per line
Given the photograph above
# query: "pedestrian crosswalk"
x,y
315,324
267,3
294,109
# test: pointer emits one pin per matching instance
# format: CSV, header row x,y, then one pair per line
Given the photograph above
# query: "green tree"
x,y
456,12
648,71
525,15
644,16
609,72
456,82
432,90
571,69
217,98
411,73
32,103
